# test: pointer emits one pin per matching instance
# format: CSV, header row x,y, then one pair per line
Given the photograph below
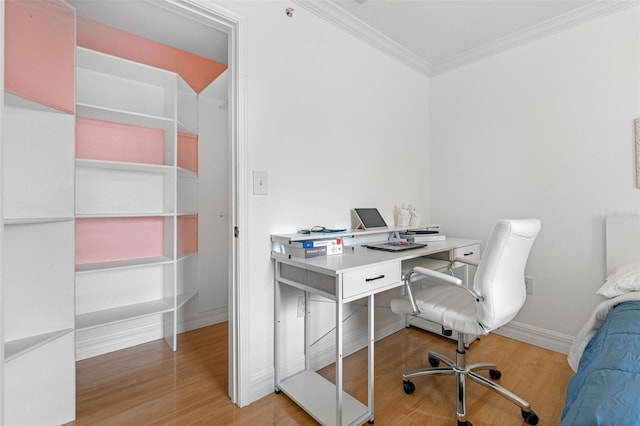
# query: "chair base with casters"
x,y
462,371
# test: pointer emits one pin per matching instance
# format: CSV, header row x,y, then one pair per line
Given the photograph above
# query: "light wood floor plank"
x,y
151,385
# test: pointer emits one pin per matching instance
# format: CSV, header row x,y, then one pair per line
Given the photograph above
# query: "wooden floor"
x,y
151,385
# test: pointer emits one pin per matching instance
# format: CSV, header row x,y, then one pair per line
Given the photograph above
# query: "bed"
x,y
606,353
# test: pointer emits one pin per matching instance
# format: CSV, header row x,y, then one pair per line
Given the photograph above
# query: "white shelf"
x,y
184,298
123,166
123,214
122,264
183,128
96,112
317,396
16,348
11,100
286,238
36,220
116,67
123,313
186,257
184,173
116,188
120,84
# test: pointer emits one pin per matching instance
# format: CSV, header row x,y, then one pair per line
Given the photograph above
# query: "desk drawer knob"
x,y
373,279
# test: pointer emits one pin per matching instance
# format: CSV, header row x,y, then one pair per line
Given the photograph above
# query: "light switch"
x,y
260,186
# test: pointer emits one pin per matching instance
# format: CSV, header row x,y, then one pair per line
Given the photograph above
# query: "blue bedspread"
x,y
606,388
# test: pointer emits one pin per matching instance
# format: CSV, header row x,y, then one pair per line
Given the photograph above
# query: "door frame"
x,y
235,26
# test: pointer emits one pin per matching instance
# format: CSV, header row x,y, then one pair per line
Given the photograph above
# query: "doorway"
x,y
206,30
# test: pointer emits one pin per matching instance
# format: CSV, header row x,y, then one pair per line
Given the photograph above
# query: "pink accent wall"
x,y
196,70
103,140
109,239
188,151
187,234
40,52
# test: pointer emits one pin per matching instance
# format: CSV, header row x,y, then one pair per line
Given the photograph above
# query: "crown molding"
x,y
555,25
337,16
329,11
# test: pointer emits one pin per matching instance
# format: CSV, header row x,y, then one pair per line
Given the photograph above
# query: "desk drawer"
x,y
366,280
469,252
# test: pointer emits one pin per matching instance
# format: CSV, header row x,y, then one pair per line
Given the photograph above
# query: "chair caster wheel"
x,y
495,374
465,423
408,387
370,422
434,362
277,391
530,417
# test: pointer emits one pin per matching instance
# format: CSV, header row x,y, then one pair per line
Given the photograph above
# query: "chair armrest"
x,y
430,273
449,279
468,261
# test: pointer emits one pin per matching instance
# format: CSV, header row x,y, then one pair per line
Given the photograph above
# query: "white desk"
x,y
357,273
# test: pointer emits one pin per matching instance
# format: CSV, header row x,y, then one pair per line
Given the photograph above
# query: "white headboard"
x,y
623,240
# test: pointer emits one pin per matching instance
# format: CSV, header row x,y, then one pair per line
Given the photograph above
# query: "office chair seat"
x,y
452,307
496,297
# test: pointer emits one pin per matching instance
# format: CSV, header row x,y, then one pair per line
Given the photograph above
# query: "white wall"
x,y
543,130
211,303
2,337
336,124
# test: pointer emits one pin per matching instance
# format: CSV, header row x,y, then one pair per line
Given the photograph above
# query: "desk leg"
x,y
276,329
371,329
307,330
339,315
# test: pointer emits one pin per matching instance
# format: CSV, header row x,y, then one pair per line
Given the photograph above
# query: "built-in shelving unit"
x,y
100,203
38,242
136,193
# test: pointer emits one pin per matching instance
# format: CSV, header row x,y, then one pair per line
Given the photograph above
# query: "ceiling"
x,y
434,36
431,36
161,22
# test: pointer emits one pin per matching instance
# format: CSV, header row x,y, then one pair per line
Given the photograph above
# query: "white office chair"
x,y
497,295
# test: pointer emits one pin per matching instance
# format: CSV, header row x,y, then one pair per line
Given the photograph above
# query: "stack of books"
x,y
423,236
313,248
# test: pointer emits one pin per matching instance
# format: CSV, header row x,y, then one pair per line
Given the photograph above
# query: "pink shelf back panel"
x,y
188,151
103,140
196,70
187,234
40,52
109,239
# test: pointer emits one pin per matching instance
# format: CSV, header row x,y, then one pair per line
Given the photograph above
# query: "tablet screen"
x,y
371,218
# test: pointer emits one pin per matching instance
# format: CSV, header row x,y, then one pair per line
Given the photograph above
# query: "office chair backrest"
x,y
500,275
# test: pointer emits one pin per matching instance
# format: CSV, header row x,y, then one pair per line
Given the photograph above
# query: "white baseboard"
x,y
203,319
537,336
262,384
102,340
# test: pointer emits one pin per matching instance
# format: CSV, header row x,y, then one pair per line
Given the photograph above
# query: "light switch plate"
x,y
260,183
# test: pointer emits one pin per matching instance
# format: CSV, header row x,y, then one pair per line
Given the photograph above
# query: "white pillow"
x,y
623,280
